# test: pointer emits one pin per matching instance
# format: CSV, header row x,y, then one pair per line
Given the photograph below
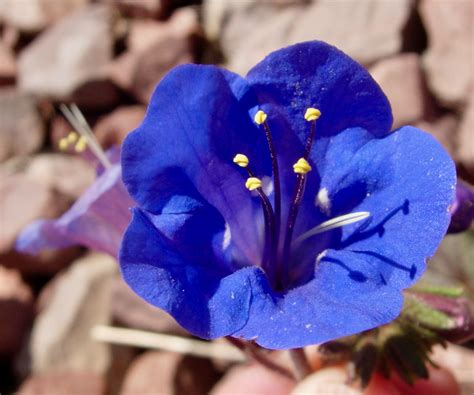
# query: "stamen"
x,y
333,223
302,166
261,119
253,183
78,122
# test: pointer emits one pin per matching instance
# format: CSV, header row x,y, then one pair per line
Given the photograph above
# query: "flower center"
x,y
83,137
277,266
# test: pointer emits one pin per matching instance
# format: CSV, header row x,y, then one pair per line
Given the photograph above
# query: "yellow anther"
x,y
63,144
312,114
302,166
241,160
81,144
72,137
253,183
260,117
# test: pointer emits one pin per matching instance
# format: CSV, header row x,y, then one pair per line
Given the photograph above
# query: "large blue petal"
x,y
167,260
196,123
405,180
338,302
315,74
96,220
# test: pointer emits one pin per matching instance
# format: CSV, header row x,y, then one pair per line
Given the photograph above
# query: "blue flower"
x,y
280,208
96,220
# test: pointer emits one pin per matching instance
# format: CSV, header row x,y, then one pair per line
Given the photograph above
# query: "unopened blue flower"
x,y
280,208
462,211
97,220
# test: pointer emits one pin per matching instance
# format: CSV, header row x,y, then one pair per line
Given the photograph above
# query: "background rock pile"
x,y
107,56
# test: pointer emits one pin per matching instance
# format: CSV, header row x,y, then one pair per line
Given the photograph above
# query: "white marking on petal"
x,y
323,202
267,185
321,255
227,237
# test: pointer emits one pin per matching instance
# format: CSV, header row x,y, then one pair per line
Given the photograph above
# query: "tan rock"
x,y
449,60
114,127
21,127
248,30
401,79
78,47
74,383
16,311
167,45
60,340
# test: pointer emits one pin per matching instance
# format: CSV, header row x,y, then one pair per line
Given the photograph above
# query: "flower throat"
x,y
276,263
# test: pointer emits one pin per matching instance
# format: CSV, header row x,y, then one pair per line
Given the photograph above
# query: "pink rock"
x,y
402,80
16,311
21,128
168,44
114,127
61,383
78,47
449,58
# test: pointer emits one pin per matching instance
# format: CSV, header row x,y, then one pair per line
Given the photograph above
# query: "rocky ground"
x,y
107,56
